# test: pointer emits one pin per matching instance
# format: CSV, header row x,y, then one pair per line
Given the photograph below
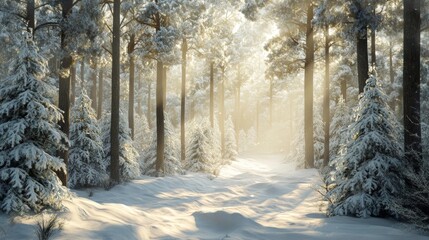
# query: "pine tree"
x,y
87,166
201,156
142,135
29,136
172,163
369,172
128,155
230,141
339,128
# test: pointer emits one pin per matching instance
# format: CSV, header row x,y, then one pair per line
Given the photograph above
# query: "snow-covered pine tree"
x,y
319,137
230,141
339,128
200,154
128,164
142,134
29,136
87,165
172,163
370,171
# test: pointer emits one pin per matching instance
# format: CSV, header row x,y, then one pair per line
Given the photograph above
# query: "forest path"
x,y
258,196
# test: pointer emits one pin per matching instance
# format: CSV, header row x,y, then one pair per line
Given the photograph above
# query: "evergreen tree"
x,y
369,176
339,128
29,135
201,156
230,141
142,135
172,163
128,164
87,166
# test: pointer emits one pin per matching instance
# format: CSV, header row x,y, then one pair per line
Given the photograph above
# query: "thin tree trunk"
x,y
164,87
149,105
362,58
160,119
31,20
212,94
140,89
100,93
82,72
183,100
238,115
344,89
326,109
308,91
131,46
114,129
64,89
73,83
94,85
222,110
411,83
373,55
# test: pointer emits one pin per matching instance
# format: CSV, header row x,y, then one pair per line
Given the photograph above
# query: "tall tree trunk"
x,y
411,82
160,119
94,84
140,89
64,88
391,73
164,86
149,105
73,79
344,89
222,110
362,57
373,56
82,72
131,46
100,93
183,100
31,16
116,61
212,94
326,109
308,91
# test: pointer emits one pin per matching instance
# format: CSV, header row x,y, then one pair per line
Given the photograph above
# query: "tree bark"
x,y
64,88
73,83
131,46
362,58
164,87
94,85
31,16
212,94
411,83
160,119
344,89
100,93
308,91
149,105
326,109
183,100
373,55
82,72
114,129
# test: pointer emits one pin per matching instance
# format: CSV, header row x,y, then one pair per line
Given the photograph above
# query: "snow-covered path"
x,y
257,197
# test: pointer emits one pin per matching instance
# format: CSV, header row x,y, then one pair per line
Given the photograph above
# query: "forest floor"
x,y
256,197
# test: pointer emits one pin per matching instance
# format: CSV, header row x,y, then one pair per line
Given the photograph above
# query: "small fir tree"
x,y
172,163
87,166
230,141
200,154
128,164
29,136
369,173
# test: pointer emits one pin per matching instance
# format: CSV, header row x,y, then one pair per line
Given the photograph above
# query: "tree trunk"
x,y
114,129
149,105
308,91
160,119
344,89
31,16
131,46
373,56
73,83
82,72
222,110
94,85
212,94
326,109
411,83
362,58
238,113
100,93
64,88
183,100
140,89
164,87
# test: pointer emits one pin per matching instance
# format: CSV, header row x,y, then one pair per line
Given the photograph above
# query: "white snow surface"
x,y
256,197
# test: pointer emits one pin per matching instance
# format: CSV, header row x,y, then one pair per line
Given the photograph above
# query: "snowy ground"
x,y
257,197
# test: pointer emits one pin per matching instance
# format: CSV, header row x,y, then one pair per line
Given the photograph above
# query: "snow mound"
x,y
222,221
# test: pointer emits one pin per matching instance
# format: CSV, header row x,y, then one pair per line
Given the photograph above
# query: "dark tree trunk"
x,y
164,87
212,94
411,82
73,83
94,85
373,56
64,88
160,119
344,89
391,71
362,58
183,100
31,16
82,72
100,93
131,46
308,91
326,109
114,129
